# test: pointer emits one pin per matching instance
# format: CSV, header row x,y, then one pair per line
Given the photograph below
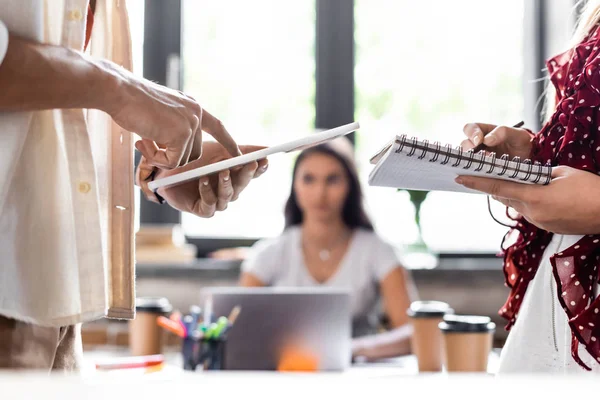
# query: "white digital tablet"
x,y
287,147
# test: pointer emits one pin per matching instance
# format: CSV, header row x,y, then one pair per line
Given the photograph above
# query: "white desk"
x,y
269,385
406,365
396,378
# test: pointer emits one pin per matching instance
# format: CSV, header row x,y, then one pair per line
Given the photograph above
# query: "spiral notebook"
x,y
419,165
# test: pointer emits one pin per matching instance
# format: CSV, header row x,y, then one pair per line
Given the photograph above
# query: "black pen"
x,y
480,145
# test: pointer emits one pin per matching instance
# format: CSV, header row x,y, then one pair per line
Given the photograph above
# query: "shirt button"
x,y
84,187
74,15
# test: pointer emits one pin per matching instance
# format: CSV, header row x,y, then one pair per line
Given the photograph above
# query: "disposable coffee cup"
x,y
426,341
145,336
467,342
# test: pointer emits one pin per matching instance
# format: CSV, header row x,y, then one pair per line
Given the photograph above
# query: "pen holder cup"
x,y
209,354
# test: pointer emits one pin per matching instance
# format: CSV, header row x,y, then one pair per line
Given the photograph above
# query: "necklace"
x,y
325,253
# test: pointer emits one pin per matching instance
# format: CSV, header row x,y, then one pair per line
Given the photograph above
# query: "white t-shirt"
x,y
368,260
540,340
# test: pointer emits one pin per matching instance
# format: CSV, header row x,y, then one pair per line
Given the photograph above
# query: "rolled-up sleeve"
x,y
3,41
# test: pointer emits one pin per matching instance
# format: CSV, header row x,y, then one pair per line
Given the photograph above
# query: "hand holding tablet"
x,y
287,147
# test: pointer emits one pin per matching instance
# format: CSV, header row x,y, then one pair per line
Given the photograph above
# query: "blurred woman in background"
x,y
329,241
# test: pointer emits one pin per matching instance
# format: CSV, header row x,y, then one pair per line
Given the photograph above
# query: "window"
x,y
252,65
425,69
421,68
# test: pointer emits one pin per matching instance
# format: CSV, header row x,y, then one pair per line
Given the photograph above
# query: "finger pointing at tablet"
x,y
216,129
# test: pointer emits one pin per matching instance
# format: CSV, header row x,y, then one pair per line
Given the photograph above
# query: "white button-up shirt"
x,y
66,183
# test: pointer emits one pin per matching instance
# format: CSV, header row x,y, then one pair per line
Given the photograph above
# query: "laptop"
x,y
275,321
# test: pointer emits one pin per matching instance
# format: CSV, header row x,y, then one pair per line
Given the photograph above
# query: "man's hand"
x,y
207,195
570,204
169,122
36,76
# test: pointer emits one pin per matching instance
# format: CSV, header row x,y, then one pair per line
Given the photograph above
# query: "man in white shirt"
x,y
67,106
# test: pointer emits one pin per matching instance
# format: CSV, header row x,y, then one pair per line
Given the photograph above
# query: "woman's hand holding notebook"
x,y
419,165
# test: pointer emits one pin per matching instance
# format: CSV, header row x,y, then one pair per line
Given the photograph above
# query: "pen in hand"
x,y
480,146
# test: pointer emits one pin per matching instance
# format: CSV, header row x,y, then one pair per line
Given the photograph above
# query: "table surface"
x,y
381,379
404,365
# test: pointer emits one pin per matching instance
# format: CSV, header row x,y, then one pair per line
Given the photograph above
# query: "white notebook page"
x,y
431,172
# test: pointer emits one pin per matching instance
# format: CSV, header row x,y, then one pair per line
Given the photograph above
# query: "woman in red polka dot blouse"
x,y
551,265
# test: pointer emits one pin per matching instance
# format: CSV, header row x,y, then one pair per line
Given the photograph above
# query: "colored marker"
x,y
188,323
175,327
210,331
222,323
195,312
235,312
233,315
208,310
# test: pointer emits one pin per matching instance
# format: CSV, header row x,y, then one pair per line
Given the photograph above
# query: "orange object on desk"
x,y
295,359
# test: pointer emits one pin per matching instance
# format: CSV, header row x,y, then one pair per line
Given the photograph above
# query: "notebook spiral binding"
x,y
477,160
